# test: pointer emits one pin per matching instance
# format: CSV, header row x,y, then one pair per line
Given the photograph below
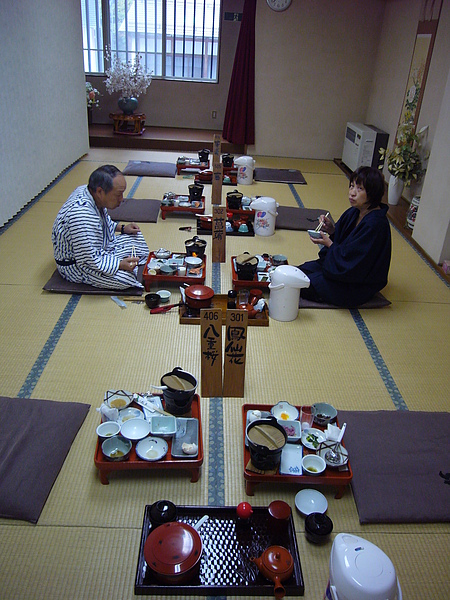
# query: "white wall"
x,y
42,96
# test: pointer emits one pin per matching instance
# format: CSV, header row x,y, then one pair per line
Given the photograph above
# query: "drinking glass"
x,y
306,417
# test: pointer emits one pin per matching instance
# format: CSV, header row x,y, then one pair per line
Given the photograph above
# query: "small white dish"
x,y
162,253
284,411
152,449
310,501
135,429
164,295
293,430
313,464
130,413
312,438
291,460
108,429
343,452
163,425
184,203
193,261
118,399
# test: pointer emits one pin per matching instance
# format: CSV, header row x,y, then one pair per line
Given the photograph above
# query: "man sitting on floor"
x,y
85,244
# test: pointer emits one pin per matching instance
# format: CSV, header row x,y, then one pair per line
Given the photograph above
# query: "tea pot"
x,y
277,565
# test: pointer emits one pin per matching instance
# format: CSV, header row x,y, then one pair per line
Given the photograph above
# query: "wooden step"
x,y
160,138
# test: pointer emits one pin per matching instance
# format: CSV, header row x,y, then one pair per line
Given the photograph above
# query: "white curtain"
x,y
42,97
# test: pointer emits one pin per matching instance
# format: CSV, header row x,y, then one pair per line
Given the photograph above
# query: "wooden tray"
x,y
250,233
240,211
232,179
220,301
225,565
193,465
183,209
149,280
191,166
332,477
245,283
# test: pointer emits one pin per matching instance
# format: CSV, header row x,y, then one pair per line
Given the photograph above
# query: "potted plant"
x,y
129,78
404,162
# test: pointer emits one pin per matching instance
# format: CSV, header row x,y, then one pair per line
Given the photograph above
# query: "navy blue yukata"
x,y
356,265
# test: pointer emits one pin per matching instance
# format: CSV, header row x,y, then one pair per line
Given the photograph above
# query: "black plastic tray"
x,y
225,567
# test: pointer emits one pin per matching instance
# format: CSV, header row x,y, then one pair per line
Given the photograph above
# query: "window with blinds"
x,y
177,39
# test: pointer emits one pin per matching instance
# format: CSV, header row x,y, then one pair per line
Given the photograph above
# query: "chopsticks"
x,y
133,252
319,226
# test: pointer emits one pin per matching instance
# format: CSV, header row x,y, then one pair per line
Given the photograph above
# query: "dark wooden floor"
x,y
160,138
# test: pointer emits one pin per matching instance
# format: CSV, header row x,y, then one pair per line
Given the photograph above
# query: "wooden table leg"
x,y
340,492
195,474
104,477
249,488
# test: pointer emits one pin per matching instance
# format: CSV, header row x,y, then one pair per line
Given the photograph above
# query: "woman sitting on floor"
x,y
354,261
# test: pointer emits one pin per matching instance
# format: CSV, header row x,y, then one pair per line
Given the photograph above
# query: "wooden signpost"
x,y
217,148
211,349
235,353
217,180
219,220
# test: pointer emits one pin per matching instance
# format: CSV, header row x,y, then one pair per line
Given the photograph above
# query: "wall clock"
x,y
279,5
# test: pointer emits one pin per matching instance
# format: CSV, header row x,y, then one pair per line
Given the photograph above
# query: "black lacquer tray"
x,y
226,568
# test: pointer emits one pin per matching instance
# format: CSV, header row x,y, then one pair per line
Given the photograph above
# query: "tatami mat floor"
x,y
85,544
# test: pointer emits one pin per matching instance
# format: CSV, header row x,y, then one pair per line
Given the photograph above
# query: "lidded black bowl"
x,y
318,528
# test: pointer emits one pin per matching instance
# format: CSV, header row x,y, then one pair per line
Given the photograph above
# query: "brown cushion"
x,y
144,168
59,285
35,438
378,301
134,209
301,219
396,457
279,175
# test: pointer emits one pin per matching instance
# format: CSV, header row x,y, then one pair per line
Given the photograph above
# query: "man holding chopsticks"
x,y
354,260
85,244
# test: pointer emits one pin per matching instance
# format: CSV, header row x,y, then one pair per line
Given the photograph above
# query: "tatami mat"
x,y
85,544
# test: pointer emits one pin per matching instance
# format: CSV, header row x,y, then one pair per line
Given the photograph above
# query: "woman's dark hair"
x,y
372,181
103,178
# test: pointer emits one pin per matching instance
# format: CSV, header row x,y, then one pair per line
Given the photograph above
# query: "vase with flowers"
x,y
404,162
92,100
129,78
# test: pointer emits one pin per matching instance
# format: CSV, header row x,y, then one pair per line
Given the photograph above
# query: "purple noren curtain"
x,y
239,122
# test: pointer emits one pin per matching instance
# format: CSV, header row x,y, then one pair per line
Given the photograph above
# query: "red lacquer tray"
x,y
192,465
246,283
191,166
149,280
331,477
183,209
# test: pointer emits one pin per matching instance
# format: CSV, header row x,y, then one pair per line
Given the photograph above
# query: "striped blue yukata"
x,y
86,248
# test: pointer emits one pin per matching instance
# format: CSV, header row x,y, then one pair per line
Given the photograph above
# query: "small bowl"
x,y
152,300
293,430
130,413
108,429
310,501
324,413
167,269
279,259
116,448
284,411
163,425
164,295
312,464
193,261
119,399
152,449
135,429
318,528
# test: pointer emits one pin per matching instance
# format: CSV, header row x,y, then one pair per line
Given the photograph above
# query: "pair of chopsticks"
x,y
133,252
319,226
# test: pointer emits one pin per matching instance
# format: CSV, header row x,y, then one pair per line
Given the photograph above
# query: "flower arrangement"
x,y
130,78
92,100
404,160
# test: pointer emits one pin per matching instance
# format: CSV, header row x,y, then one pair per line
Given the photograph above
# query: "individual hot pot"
x,y
199,296
203,155
246,266
234,199
195,247
266,440
179,391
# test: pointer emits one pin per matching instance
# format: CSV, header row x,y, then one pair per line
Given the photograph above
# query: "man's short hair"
x,y
103,178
